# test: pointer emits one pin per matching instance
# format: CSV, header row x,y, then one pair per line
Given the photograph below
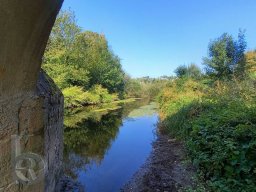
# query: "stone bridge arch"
x,y
30,104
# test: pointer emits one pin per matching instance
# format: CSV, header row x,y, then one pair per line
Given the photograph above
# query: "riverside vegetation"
x,y
86,70
215,115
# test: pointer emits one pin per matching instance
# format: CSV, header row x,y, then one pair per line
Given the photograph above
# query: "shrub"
x,y
178,94
104,95
220,133
223,139
74,96
91,98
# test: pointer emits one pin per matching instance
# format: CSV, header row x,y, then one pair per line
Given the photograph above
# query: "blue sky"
x,y
153,37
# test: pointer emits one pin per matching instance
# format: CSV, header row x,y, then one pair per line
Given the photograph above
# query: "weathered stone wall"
x,y
53,105
40,117
30,104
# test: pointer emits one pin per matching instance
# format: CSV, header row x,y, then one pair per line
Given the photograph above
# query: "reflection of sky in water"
x,y
127,153
112,145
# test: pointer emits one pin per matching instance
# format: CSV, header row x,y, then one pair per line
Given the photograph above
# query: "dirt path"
x,y
164,170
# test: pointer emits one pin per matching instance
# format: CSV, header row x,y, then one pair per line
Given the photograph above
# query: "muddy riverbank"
x,y
164,170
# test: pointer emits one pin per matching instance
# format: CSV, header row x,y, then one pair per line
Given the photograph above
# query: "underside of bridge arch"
x,y
30,104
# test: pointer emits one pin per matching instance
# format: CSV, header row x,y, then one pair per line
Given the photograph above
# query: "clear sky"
x,y
153,37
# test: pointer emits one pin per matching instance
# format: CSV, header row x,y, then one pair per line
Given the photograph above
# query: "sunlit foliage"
x,y
82,64
251,63
226,57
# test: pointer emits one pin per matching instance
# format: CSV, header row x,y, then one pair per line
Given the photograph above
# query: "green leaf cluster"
x,y
76,97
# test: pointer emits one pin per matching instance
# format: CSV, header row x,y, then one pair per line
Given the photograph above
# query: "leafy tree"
x,y
240,59
68,75
191,71
82,62
93,53
181,71
226,57
61,42
59,60
194,71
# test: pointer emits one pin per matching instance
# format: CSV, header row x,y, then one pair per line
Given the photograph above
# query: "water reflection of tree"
x,y
88,136
128,107
90,140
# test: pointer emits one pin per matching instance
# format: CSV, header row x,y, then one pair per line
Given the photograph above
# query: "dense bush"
x,y
219,131
177,94
76,97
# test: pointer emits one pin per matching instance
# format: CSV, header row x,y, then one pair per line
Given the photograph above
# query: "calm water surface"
x,y
104,149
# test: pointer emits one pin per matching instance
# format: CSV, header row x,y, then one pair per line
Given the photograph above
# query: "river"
x,y
103,149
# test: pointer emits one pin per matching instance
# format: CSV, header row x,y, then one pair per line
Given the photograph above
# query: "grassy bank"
x,y
217,122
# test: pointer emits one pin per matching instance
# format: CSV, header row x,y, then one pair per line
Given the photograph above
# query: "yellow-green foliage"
x,y
251,63
103,94
178,94
76,96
